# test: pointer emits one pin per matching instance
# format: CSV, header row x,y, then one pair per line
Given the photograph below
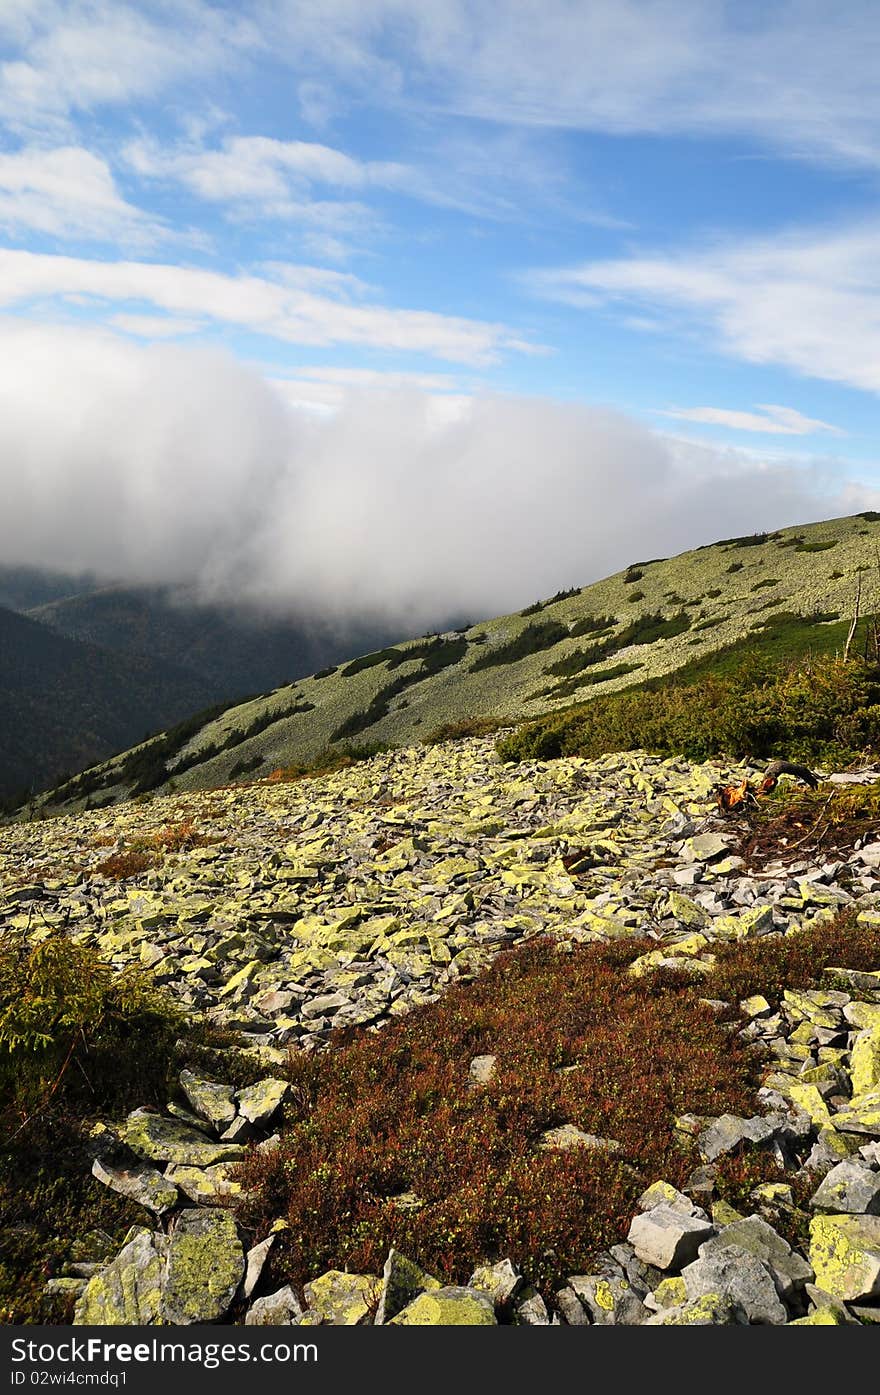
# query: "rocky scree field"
x,y
785,593
440,1039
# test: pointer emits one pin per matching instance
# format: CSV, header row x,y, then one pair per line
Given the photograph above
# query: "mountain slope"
x,y
233,652
789,591
64,704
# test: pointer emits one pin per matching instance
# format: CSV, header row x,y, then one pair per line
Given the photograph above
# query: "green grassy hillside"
x,y
782,594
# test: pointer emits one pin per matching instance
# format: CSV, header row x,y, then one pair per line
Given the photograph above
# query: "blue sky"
x,y
665,208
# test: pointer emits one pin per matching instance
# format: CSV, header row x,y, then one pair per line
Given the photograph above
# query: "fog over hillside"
x,y
174,465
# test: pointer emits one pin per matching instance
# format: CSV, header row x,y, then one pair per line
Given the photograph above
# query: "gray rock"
x,y
255,1259
141,1184
729,1133
570,1308
667,1237
279,1309
610,1300
204,1267
711,1310
739,1278
501,1281
851,1186
530,1310
789,1269
482,1070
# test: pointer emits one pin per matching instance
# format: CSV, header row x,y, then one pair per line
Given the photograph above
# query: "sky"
x,y
367,307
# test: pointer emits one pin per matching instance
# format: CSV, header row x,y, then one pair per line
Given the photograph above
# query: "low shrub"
x,y
530,640
824,710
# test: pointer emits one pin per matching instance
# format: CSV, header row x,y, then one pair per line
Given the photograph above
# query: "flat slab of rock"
x,y
141,1184
159,1139
204,1267
257,1103
211,1101
729,1133
667,1236
448,1307
206,1186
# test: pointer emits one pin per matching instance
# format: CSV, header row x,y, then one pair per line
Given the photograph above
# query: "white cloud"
x,y
290,312
75,55
384,507
799,74
155,326
770,418
808,301
68,192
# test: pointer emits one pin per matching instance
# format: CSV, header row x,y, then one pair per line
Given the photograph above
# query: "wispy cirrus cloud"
x,y
294,313
800,75
769,419
807,300
74,56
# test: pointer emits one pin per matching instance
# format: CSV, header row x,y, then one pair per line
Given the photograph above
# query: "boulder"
x,y
257,1103
402,1281
752,1233
668,1236
740,1279
210,1100
852,1186
158,1139
128,1291
278,1309
845,1254
448,1307
342,1300
204,1267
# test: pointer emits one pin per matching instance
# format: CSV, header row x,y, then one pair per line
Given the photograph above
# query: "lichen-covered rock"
x,y
210,1100
447,1307
568,1136
845,1254
159,1139
128,1291
851,1186
206,1186
141,1184
742,1280
402,1280
709,1310
501,1281
752,1233
610,1300
862,1115
865,1061
342,1300
667,1237
204,1267
258,1102
664,1194
254,1260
